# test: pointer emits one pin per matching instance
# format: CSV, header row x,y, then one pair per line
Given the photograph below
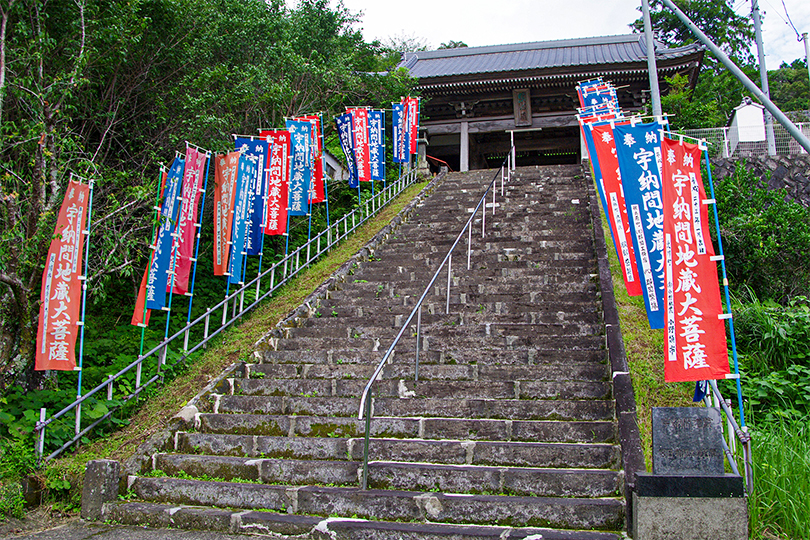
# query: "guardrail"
x,y
735,433
233,304
505,173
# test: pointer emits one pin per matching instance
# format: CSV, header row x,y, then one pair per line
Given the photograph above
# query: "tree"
x,y
790,88
453,45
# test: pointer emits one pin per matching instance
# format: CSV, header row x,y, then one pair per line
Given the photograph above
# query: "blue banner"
x,y
400,133
344,128
301,168
638,149
161,261
376,144
246,174
258,191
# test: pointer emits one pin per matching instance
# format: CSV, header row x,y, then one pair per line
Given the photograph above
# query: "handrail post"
x,y
483,219
418,339
78,417
41,441
493,201
469,245
366,441
449,274
109,387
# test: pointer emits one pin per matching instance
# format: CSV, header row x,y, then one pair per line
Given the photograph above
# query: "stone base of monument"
x,y
676,507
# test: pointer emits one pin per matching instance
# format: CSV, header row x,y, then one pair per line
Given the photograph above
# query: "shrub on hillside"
x,y
766,237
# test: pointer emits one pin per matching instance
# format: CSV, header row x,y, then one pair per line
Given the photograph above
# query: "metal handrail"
x,y
742,435
289,266
505,172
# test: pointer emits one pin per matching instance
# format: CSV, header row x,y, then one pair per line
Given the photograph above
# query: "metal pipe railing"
x,y
291,265
742,435
365,399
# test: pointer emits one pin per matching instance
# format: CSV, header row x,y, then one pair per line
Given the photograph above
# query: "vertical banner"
x,y
258,191
300,138
360,131
376,144
399,133
159,282
60,297
278,180
344,129
413,122
246,175
225,167
616,208
317,193
696,335
597,178
638,149
187,219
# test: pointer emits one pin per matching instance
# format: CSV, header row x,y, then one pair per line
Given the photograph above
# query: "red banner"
x,y
696,335
225,168
193,175
140,317
412,105
361,157
60,298
278,181
317,191
617,209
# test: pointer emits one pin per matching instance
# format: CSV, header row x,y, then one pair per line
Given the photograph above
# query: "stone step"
x,y
590,454
318,528
401,369
490,362
401,388
423,427
511,409
559,512
413,475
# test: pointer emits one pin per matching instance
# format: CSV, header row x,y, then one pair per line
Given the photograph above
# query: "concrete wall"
x,y
791,172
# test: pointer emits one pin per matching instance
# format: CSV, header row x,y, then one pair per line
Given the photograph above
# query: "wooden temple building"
x,y
476,99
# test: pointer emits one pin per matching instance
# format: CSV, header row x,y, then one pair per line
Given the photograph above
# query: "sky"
x,y
488,22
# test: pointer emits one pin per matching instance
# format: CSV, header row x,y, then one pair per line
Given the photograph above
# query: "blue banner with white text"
x,y
159,278
257,148
248,166
344,128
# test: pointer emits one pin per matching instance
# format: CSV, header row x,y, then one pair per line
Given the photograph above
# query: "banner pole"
x,y
85,232
199,230
325,190
725,286
155,220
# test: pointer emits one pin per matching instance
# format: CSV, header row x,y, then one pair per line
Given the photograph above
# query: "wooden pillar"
x,y
464,150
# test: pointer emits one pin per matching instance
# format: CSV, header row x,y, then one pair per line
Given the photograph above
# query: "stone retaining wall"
x,y
791,172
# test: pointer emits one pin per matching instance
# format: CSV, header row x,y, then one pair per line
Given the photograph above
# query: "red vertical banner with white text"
x,y
361,150
278,180
225,168
187,221
616,208
60,297
696,334
412,104
317,192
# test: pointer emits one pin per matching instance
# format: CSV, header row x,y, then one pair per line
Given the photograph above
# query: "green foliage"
x,y
779,506
12,503
766,237
790,87
688,113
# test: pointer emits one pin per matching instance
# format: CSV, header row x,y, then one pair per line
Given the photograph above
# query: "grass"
x,y
235,344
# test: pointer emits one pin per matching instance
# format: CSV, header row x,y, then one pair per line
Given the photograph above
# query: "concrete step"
x,y
588,454
572,513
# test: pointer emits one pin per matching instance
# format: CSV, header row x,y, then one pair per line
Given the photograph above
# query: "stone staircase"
x,y
510,431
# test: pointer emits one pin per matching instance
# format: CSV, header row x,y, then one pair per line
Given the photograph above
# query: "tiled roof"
x,y
592,51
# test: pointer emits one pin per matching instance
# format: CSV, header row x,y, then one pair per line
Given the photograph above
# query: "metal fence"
x,y
505,174
725,142
201,330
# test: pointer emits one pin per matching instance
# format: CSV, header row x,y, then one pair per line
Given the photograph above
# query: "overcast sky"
x,y
498,22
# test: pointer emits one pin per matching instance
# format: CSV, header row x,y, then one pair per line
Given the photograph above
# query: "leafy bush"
x,y
766,237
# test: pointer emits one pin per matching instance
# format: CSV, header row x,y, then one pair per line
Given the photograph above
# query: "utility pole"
x,y
806,52
651,66
763,77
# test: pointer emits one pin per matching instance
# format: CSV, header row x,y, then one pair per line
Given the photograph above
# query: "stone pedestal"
x,y
671,507
100,486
